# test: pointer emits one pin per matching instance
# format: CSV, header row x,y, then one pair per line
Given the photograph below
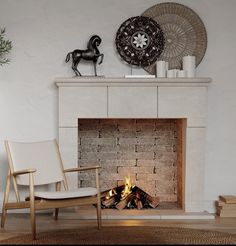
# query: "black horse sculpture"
x,y
91,54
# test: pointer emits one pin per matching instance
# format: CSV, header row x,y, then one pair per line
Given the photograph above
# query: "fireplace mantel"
x,y
106,81
101,97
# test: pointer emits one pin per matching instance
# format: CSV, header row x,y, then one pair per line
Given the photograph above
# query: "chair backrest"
x,y
42,156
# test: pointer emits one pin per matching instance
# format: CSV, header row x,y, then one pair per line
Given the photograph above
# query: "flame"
x,y
128,187
111,193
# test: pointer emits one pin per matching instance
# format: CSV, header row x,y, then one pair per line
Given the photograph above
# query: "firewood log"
x,y
109,202
122,204
138,201
152,201
117,189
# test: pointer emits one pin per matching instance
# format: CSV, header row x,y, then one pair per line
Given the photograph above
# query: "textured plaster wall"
x,y
43,31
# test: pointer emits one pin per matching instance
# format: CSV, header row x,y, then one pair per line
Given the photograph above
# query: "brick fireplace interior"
x,y
151,151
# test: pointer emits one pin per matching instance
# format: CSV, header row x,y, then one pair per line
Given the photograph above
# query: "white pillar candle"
x,y
176,72
161,69
167,66
181,74
171,73
189,65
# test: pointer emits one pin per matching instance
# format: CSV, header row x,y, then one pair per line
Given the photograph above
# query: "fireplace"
x,y
149,151
113,103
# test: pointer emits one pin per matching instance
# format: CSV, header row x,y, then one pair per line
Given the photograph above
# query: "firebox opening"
x,y
142,160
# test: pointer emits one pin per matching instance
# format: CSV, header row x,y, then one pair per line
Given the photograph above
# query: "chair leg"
x,y
56,213
32,208
3,217
99,213
33,223
5,200
98,201
58,188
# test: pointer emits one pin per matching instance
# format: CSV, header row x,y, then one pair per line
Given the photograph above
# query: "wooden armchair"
x,y
40,163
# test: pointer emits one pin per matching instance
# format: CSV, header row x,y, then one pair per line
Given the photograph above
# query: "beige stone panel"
x,y
81,102
68,143
130,102
183,102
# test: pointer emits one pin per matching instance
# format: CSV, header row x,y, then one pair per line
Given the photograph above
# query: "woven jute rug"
x,y
126,235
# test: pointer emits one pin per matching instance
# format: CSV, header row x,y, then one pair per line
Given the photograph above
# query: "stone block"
x,y
127,133
97,141
88,148
107,148
126,148
108,133
146,133
146,148
163,140
107,156
118,163
165,186
88,134
147,186
147,177
127,141
141,163
135,170
87,183
166,173
145,155
146,140
167,197
98,155
126,155
107,141
126,124
88,162
107,185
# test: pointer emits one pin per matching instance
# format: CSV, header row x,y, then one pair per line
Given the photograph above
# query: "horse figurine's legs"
x,y
101,60
74,67
95,67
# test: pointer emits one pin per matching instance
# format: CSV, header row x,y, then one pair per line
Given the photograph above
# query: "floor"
x,y
17,224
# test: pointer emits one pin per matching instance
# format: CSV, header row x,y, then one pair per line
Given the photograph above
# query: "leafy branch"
x,y
5,47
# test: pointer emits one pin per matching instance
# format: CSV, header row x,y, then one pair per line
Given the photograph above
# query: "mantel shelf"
x,y
116,81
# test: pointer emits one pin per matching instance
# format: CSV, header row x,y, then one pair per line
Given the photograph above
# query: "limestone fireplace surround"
x,y
138,98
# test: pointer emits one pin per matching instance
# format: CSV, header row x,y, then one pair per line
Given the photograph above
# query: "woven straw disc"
x,y
184,33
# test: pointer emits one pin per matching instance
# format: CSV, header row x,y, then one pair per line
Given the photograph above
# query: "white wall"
x,y
44,31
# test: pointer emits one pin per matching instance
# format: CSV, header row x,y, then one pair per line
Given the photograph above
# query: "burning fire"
x,y
128,188
110,194
125,192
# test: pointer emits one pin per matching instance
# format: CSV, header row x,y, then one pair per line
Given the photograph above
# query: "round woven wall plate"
x,y
139,41
184,33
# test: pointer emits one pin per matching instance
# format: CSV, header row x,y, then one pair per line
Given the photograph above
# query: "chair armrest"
x,y
21,172
78,169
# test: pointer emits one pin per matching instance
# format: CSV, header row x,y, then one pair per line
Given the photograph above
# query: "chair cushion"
x,y
80,192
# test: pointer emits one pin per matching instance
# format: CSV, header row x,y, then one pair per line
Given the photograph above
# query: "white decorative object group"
x,y
189,66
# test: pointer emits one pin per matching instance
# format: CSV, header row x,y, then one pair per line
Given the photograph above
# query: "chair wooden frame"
x,y
40,204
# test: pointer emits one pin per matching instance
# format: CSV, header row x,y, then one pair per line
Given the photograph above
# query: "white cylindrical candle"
x,y
181,74
161,69
189,65
176,72
171,73
167,66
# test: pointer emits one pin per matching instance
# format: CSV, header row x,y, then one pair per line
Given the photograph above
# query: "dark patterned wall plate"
x,y
139,41
184,33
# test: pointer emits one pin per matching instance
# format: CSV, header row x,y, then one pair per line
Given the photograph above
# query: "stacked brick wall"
x,y
145,149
